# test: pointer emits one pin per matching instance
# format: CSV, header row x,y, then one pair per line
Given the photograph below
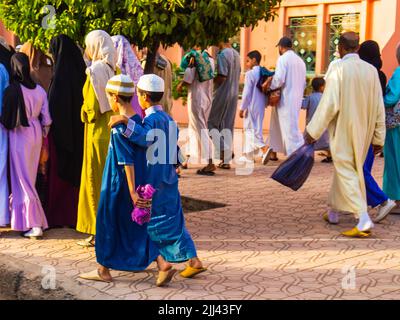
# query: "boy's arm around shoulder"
x,y
138,132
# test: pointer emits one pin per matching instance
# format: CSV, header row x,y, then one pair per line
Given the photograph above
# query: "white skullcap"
x,y
151,83
121,85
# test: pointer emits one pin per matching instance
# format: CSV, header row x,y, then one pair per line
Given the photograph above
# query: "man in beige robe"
x,y
352,109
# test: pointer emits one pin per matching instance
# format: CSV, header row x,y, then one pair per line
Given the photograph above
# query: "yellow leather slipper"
x,y
190,272
355,233
165,277
93,275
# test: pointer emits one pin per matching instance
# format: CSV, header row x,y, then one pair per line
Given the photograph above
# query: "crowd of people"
x,y
78,130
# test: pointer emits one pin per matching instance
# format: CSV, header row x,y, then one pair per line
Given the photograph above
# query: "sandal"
x,y
190,272
87,243
204,172
225,166
93,275
355,233
165,277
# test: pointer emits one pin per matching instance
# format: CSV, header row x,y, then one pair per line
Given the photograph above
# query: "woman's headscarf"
x,y
100,50
41,65
126,58
6,53
369,52
65,102
129,64
14,109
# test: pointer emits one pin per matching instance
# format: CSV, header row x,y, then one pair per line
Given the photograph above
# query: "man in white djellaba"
x,y
290,75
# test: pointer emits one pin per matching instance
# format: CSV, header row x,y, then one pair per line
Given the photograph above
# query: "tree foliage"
x,y
147,23
144,22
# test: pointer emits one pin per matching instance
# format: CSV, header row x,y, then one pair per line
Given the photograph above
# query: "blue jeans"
x,y
375,195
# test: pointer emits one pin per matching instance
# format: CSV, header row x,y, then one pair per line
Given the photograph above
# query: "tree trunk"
x,y
151,58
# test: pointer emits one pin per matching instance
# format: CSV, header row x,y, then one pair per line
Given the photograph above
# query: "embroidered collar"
x,y
153,109
351,56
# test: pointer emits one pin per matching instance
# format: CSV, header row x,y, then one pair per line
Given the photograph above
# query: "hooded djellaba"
x,y
66,135
95,113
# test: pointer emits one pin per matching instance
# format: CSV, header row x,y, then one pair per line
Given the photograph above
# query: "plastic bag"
x,y
295,170
141,215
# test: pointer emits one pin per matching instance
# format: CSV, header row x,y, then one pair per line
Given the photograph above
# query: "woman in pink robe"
x,y
27,117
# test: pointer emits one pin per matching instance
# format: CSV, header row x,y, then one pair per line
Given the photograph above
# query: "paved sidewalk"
x,y
267,243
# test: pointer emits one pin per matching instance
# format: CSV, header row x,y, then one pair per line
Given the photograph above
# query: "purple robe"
x,y
25,145
62,197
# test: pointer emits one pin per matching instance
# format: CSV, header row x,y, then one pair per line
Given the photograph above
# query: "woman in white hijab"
x,y
95,114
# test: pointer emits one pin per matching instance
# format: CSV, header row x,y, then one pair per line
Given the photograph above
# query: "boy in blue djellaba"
x,y
122,244
159,133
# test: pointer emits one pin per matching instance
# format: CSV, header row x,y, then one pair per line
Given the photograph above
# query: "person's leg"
x,y
162,264
347,195
375,195
391,174
258,120
100,274
195,126
228,124
195,263
215,122
248,133
364,222
104,273
206,152
27,210
274,142
165,272
292,137
206,143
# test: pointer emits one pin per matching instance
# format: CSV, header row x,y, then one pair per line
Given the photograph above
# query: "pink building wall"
x,y
379,21
8,36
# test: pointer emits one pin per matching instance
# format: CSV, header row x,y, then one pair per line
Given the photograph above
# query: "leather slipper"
x,y
165,277
205,172
190,272
93,275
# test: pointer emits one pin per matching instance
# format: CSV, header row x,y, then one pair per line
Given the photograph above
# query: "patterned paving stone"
x,y
268,242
